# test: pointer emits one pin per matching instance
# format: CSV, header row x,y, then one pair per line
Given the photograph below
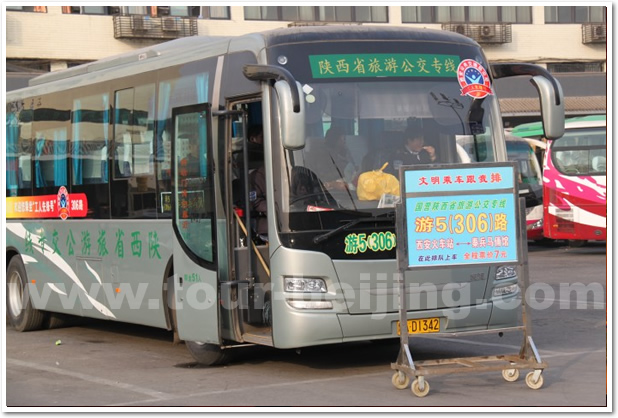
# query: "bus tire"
x,y
21,315
207,354
58,320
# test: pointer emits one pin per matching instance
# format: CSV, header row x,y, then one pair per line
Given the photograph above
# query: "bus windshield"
x,y
356,127
528,169
527,163
581,152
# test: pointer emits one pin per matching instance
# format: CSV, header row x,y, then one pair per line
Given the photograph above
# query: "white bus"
x,y
105,220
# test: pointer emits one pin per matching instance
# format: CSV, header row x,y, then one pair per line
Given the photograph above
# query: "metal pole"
x,y
523,274
245,156
405,357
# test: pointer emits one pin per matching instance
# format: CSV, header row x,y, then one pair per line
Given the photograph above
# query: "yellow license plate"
x,y
421,326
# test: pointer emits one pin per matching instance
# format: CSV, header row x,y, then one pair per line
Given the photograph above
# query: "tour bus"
x,y
105,219
530,178
530,183
574,179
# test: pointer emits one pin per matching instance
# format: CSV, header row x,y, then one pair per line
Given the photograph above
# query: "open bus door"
x,y
196,293
251,286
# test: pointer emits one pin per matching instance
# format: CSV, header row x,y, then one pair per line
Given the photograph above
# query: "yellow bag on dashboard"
x,y
373,184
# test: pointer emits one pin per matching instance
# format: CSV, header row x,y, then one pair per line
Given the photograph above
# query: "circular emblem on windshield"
x,y
63,203
473,79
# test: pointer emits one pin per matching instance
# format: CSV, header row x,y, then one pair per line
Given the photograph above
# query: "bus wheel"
x,y
207,354
21,314
58,320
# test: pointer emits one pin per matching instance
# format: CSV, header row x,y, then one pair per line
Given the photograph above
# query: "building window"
x,y
178,11
417,14
214,12
36,9
158,11
30,65
202,12
575,14
137,10
90,10
575,67
373,14
466,14
260,13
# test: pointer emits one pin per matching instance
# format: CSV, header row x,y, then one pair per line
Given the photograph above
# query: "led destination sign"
x,y
383,65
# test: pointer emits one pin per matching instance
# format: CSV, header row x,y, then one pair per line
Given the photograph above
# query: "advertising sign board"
x,y
460,215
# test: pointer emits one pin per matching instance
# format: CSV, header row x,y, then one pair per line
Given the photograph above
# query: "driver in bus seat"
x,y
413,152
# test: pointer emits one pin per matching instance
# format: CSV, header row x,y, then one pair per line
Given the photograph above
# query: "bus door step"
x,y
258,338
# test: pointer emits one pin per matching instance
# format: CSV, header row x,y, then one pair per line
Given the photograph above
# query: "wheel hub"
x,y
15,294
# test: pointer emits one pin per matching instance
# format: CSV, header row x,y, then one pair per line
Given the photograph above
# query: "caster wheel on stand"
x,y
510,375
531,383
416,388
400,380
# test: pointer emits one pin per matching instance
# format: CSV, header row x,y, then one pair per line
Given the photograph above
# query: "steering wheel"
x,y
308,196
323,197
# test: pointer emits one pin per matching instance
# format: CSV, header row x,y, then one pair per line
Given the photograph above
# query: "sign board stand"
x,y
461,203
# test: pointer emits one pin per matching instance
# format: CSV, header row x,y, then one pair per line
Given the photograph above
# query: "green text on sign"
x,y
383,65
377,241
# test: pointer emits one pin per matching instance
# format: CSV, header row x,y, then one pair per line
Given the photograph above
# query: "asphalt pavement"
x,y
110,367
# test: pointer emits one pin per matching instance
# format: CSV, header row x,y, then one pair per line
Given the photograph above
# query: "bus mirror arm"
x,y
292,124
291,107
272,72
551,115
550,93
511,70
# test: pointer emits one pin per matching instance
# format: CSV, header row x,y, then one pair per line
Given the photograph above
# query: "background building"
x,y
570,41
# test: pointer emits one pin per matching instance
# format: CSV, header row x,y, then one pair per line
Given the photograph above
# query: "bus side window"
x,y
51,122
24,176
123,155
19,152
90,138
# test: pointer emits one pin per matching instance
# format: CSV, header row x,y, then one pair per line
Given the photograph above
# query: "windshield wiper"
x,y
383,218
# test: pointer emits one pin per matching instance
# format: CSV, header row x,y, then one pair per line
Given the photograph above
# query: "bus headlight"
x,y
537,225
504,272
304,285
310,304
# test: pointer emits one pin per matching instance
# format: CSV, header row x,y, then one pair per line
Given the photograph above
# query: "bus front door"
x,y
195,282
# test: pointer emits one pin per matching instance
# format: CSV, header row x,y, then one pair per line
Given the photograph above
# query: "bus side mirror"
x,y
552,106
292,123
550,93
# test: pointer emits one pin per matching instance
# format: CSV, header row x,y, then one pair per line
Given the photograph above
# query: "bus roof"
x,y
528,129
194,48
535,129
586,122
304,34
514,140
